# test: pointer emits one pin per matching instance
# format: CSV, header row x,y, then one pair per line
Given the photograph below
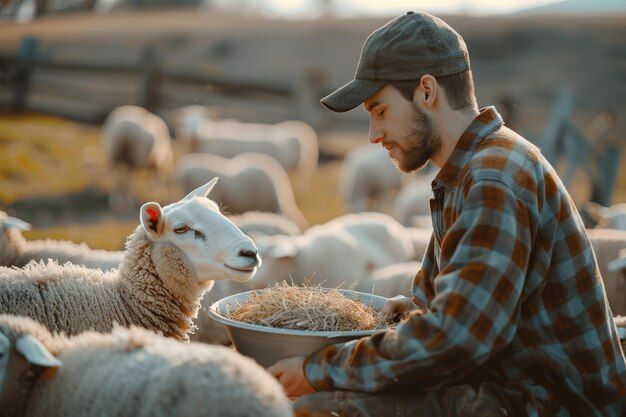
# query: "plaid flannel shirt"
x,y
510,288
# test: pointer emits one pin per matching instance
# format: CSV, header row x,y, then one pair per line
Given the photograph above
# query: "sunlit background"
x,y
555,71
255,72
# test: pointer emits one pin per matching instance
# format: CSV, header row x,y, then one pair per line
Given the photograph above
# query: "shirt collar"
x,y
486,122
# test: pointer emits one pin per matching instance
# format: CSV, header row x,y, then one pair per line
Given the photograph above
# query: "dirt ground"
x,y
55,163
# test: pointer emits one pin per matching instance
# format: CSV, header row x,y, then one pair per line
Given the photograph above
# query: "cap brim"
x,y
352,94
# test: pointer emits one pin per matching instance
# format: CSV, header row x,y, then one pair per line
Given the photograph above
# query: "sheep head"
x,y
23,360
208,244
10,236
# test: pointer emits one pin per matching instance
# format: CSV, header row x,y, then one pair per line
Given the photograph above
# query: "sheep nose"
x,y
252,254
248,253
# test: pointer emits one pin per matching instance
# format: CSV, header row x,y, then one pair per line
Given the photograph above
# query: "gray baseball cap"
x,y
404,49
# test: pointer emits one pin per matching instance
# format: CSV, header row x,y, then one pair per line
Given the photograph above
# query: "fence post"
x,y
150,78
306,94
21,76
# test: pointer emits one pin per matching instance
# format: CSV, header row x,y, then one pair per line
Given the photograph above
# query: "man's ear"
x,y
425,95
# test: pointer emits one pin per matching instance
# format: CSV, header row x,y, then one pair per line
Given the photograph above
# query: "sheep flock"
x,y
75,318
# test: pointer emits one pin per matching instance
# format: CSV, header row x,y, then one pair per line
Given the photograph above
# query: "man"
x,y
509,315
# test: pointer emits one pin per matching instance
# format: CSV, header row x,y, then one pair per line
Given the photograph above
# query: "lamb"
x,y
17,251
208,330
613,217
343,251
266,223
309,145
130,372
133,138
253,224
171,259
368,180
395,279
249,181
411,207
607,244
420,236
293,144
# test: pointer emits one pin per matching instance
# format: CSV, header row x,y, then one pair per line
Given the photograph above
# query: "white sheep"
x,y
293,144
368,180
420,236
128,373
15,250
134,138
344,250
253,224
395,279
607,244
412,203
266,223
613,217
309,144
170,261
248,182
208,330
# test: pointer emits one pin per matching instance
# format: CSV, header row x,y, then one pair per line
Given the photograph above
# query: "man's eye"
x,y
182,229
380,113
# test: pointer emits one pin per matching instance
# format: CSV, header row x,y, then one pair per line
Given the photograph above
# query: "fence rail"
x,y
88,91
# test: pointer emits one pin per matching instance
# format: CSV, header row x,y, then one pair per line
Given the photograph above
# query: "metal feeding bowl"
x,y
267,345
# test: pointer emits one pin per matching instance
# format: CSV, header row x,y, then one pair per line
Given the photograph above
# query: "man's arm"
x,y
472,316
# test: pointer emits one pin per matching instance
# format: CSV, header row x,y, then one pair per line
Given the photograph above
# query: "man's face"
x,y
402,128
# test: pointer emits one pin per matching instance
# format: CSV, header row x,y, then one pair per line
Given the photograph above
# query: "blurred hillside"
x,y
518,64
522,58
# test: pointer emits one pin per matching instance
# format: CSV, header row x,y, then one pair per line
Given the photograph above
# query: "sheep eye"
x,y
182,229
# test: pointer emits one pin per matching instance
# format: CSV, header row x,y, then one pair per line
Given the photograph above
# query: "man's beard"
x,y
421,143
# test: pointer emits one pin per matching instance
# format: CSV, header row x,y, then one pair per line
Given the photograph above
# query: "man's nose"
x,y
375,134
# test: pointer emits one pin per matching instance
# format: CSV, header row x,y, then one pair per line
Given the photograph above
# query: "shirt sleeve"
x,y
472,316
421,287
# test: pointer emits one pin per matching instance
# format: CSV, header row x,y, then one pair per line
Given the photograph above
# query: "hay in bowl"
x,y
268,344
307,308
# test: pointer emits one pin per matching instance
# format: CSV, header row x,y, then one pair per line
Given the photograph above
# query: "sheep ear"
x,y
202,191
14,222
35,352
152,219
5,346
283,250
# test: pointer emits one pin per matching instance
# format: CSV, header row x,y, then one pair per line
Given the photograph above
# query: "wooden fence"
x,y
32,80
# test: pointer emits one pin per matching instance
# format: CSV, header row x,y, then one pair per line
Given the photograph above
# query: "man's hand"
x,y
399,306
290,373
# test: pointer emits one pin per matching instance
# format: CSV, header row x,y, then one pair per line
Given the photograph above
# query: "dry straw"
x,y
309,308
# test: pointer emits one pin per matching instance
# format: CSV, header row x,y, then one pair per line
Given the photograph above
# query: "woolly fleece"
x,y
136,373
160,296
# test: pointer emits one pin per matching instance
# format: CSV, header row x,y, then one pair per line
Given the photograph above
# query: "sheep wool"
x,y
135,373
168,265
17,251
73,299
